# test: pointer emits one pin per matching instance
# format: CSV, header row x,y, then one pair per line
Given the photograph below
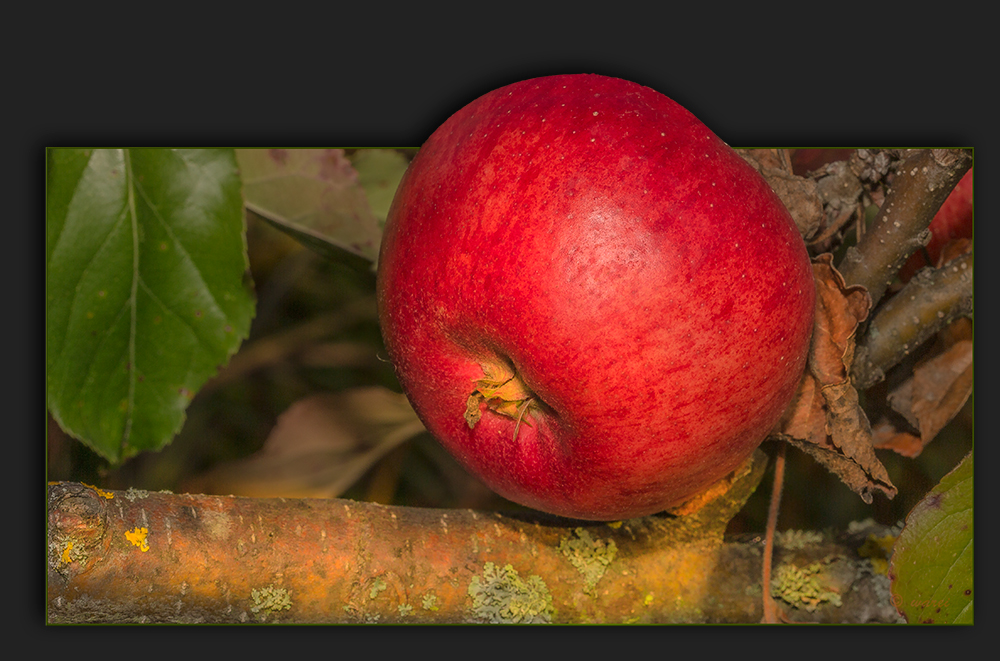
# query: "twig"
x,y
928,303
770,608
922,183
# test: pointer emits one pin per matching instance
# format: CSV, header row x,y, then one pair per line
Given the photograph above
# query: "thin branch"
x,y
770,608
922,183
928,303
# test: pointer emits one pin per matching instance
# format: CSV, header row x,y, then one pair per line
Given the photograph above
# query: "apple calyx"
x,y
504,392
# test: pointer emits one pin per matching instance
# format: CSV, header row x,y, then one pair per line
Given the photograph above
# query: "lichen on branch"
x,y
214,559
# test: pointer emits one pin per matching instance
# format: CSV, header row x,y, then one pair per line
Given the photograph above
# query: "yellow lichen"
x,y
270,600
100,492
65,553
713,491
878,550
138,538
801,588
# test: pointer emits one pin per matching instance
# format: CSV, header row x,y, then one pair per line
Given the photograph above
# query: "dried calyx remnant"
x,y
504,392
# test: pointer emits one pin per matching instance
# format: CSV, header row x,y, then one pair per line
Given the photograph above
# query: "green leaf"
x,y
146,289
931,567
379,172
314,195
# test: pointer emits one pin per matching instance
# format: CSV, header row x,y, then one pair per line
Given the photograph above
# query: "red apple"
x,y
595,304
805,161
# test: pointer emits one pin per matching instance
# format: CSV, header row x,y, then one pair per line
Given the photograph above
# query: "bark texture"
x,y
923,183
133,556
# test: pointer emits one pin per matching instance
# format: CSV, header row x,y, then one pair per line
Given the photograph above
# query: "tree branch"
x,y
131,556
929,302
922,183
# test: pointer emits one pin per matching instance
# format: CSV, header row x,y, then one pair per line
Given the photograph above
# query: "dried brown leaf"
x,y
958,330
886,436
798,194
839,310
805,419
952,249
936,392
826,419
319,447
851,433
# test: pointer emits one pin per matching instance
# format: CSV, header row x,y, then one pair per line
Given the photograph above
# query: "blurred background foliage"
x,y
316,332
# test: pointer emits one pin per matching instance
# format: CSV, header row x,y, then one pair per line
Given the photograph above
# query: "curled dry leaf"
x,y
937,390
886,436
839,310
826,420
320,446
929,400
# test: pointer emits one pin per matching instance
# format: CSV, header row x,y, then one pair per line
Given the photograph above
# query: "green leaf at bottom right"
x,y
932,565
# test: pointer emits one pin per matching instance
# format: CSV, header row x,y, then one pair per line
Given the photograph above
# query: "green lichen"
x,y
590,556
429,602
801,588
501,596
270,600
855,527
404,609
797,539
377,586
132,494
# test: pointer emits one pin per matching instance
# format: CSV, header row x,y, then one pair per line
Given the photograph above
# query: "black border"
x,y
305,77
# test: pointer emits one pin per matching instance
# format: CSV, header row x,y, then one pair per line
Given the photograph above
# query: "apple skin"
x,y
648,289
